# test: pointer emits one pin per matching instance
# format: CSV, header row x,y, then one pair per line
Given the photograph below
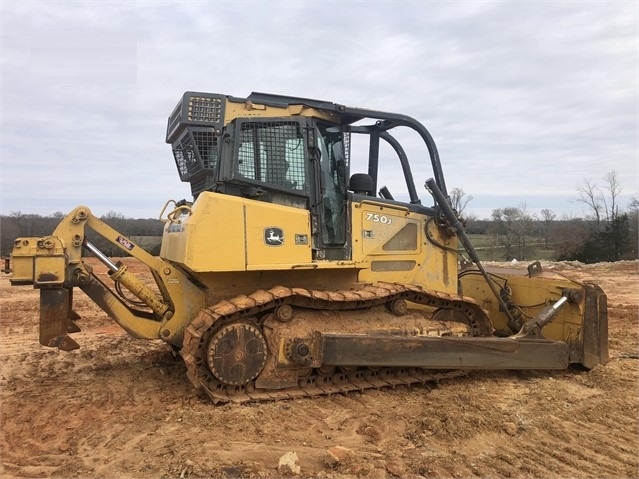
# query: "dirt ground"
x,y
123,408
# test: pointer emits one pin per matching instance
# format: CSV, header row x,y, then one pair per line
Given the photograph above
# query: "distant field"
x,y
149,243
488,250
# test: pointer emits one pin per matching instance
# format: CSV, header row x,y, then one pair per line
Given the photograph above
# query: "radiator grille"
x,y
204,109
196,109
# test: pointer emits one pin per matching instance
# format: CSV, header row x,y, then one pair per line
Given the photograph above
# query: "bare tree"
x,y
589,194
511,229
523,223
568,235
600,203
459,200
24,222
547,217
613,186
112,215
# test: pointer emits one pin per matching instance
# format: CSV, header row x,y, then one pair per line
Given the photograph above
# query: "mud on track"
x,y
120,407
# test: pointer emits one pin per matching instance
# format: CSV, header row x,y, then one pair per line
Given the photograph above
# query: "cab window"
x,y
273,153
333,183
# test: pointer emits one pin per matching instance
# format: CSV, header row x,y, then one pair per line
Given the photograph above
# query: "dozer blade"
x,y
55,310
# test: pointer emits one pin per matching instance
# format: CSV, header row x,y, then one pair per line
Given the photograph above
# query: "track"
x,y
318,381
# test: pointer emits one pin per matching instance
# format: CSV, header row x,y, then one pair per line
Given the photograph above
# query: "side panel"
x,y
391,243
211,238
226,233
276,236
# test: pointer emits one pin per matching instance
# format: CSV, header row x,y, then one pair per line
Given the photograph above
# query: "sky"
x,y
525,100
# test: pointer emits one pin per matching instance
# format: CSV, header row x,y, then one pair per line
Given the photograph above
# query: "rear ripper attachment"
x,y
42,262
55,265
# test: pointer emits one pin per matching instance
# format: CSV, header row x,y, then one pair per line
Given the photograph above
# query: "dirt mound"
x,y
120,407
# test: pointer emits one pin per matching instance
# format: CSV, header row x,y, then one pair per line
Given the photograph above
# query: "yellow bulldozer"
x,y
290,275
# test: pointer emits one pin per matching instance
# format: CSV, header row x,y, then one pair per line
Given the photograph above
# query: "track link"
x,y
317,382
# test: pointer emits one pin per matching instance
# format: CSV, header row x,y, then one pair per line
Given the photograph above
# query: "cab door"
x,y
331,232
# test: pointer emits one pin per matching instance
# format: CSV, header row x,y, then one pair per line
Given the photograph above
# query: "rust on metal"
x,y
55,310
213,334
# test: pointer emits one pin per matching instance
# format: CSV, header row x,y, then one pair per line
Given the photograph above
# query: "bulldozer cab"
x,y
294,163
293,152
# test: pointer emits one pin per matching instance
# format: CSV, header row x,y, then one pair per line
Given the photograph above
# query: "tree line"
x,y
606,233
144,231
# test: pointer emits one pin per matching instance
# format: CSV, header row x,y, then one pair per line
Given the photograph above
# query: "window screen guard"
x,y
272,152
196,150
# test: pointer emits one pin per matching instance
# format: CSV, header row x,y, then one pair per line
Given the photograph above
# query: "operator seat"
x,y
361,184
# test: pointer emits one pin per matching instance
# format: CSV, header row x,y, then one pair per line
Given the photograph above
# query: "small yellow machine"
x,y
288,275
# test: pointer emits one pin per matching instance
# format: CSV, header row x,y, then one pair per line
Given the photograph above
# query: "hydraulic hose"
x,y
450,215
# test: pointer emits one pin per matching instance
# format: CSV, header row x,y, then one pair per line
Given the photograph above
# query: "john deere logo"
x,y
273,236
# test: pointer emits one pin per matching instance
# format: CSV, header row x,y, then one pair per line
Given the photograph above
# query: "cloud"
x,y
523,99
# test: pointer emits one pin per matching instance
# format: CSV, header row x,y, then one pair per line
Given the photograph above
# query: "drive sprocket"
x,y
236,353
